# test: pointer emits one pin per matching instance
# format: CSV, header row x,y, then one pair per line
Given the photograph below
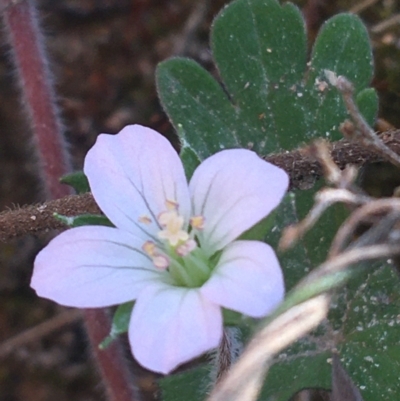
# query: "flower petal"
x,y
247,279
131,176
92,266
234,189
171,325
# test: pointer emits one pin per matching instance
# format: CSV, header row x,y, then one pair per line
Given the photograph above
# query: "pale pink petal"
x,y
172,325
247,279
234,189
92,266
131,176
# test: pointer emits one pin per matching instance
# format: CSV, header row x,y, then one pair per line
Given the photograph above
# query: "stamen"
x,y
144,219
197,222
149,247
171,204
161,262
187,247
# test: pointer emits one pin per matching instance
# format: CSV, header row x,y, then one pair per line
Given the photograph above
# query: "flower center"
x,y
172,231
177,250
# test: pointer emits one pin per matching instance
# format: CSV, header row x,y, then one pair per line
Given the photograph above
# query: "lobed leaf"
x,y
268,99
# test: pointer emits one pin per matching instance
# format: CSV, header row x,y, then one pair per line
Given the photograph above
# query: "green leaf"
x,y
120,323
318,240
269,99
312,250
260,49
305,373
363,327
190,159
76,180
84,220
260,230
318,286
343,47
368,103
190,385
198,105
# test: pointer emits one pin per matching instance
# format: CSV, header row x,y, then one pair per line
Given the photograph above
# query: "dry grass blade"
x,y
361,6
244,380
323,200
386,24
348,228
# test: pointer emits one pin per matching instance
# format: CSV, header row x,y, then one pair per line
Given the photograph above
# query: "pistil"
x,y
178,252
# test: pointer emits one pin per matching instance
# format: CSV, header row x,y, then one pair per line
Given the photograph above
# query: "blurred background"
x,y
103,55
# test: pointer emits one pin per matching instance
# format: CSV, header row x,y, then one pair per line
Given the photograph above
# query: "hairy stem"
x,y
37,93
224,355
22,27
37,218
111,362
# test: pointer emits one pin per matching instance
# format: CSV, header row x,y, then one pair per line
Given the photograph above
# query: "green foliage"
x,y
120,323
312,249
190,385
77,180
84,220
363,327
270,100
353,332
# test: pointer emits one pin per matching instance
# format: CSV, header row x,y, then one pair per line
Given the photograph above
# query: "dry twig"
x,y
192,24
360,130
299,164
362,5
36,218
39,331
376,208
386,24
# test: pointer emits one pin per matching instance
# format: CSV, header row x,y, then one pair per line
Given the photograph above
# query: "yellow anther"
x,y
149,247
171,204
144,219
197,222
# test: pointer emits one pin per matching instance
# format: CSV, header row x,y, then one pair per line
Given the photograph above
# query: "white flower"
x,y
174,248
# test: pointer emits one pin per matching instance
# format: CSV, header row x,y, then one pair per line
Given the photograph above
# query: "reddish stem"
x,y
38,97
37,94
109,360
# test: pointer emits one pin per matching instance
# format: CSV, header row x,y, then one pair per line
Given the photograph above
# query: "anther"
x,y
197,222
144,219
171,204
161,262
187,247
149,247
